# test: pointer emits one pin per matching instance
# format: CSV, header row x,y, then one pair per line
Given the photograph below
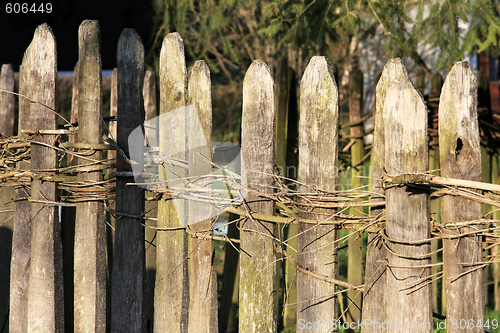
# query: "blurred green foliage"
x,y
228,34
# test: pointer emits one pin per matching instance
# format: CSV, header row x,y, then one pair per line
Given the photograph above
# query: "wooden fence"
x,y
397,290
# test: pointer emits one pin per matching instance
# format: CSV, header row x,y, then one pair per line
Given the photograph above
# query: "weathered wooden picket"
x,y
396,295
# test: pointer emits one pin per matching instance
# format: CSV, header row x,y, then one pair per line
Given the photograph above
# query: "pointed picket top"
x,y
318,124
259,107
41,55
43,40
90,82
130,51
459,144
394,69
405,124
173,73
130,61
200,95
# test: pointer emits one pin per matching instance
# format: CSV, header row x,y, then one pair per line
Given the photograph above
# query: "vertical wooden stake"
x,y
202,274
45,296
374,302
7,101
408,294
318,168
90,237
7,193
128,278
21,240
171,289
258,282
460,157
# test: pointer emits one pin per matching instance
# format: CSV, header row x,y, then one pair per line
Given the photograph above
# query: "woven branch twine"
x,y
289,201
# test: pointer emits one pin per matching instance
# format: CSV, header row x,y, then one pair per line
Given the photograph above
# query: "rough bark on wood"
x,y
408,293
460,157
202,274
258,281
374,303
128,278
171,289
7,193
21,240
45,286
318,151
90,236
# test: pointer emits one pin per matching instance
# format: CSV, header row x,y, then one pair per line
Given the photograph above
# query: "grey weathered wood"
x,y
128,280
7,193
90,237
7,101
374,303
318,151
460,157
258,282
171,289
408,293
151,112
45,286
202,275
21,240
